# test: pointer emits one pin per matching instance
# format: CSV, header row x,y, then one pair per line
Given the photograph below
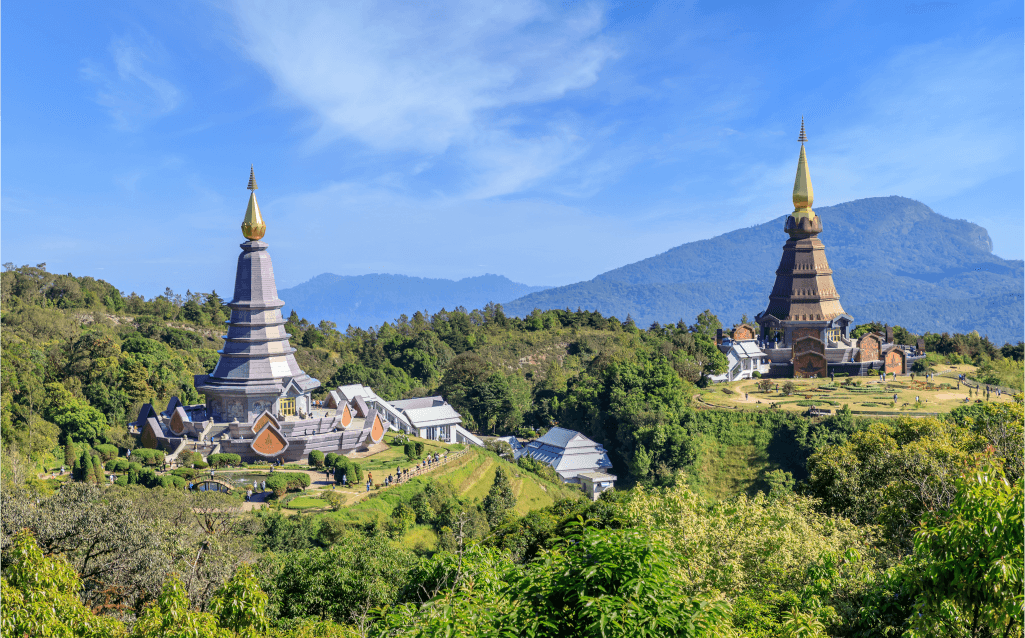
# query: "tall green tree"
x,y
473,387
500,498
77,420
972,582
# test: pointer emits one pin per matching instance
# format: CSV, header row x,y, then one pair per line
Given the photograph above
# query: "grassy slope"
x,y
471,476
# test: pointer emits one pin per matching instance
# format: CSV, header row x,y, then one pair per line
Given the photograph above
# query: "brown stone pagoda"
x,y
804,319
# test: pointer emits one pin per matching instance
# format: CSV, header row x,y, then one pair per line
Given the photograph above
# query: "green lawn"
x,y
305,503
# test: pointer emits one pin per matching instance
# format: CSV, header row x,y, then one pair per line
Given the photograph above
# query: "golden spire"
x,y
803,192
253,227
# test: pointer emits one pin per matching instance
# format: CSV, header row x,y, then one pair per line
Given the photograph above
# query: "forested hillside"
x,y
893,259
851,527
80,359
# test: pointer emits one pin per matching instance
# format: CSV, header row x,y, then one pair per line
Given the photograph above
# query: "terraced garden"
x,y
865,395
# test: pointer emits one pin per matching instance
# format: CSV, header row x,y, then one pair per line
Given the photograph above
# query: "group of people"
x,y
256,485
400,474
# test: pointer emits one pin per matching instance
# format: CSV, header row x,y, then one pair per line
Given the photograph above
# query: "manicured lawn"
x,y
305,503
941,395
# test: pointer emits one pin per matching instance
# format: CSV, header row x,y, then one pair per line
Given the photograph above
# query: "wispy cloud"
x,y
436,78
935,121
131,92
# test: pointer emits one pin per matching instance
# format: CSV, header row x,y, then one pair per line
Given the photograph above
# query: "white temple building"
x,y
571,454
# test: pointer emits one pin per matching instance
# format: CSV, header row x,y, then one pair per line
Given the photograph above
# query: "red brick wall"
x,y
869,345
261,421
149,437
743,332
809,364
894,361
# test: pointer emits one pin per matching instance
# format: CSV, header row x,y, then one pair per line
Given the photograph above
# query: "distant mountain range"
x,y
370,300
894,260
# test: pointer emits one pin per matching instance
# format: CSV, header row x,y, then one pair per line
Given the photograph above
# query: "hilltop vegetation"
x,y
737,524
79,359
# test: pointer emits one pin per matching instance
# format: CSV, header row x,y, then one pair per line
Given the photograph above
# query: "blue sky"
x,y
548,142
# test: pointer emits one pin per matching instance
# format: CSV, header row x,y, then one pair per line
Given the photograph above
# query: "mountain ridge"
x,y
372,299
894,259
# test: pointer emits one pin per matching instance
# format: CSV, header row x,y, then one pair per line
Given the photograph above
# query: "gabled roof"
x,y
598,476
436,415
171,405
333,400
569,452
360,406
563,438
748,348
351,391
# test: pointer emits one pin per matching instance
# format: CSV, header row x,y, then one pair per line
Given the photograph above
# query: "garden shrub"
x,y
224,460
402,520
277,484
107,451
316,459
147,456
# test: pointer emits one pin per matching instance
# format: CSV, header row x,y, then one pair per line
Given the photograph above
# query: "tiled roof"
x,y
569,452
415,404
748,348
433,416
360,406
560,437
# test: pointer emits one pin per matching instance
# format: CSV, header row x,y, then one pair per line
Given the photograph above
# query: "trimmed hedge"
x,y
352,470
147,456
281,482
117,465
316,459
224,460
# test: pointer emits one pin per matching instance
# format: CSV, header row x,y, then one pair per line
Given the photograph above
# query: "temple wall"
x,y
895,362
869,345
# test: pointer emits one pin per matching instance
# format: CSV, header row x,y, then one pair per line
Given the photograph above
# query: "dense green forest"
x,y
907,526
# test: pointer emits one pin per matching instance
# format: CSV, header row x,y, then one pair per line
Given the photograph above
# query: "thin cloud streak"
x,y
136,94
435,79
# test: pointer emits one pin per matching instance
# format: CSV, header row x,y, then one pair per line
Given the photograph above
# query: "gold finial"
x,y
252,176
253,227
803,193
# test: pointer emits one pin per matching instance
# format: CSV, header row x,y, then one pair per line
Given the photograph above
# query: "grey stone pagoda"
x,y
257,399
257,370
